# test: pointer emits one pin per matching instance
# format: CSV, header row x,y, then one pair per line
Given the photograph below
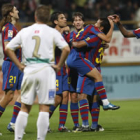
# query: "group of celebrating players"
x,y
80,76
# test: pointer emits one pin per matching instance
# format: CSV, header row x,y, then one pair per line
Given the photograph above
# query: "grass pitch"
x,y
122,124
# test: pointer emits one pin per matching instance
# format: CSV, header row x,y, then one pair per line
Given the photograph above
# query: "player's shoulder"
x,y
137,30
7,26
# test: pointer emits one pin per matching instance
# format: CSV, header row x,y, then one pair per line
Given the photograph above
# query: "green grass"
x,y
122,124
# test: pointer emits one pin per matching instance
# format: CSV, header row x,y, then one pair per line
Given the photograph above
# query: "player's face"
x,y
98,23
62,21
15,12
78,23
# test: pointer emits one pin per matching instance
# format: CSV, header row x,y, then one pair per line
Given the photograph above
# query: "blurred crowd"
x,y
92,9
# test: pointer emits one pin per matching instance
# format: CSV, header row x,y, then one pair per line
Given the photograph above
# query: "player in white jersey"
x,y
38,43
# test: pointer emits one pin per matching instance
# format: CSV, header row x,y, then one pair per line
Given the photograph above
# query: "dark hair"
x,y
6,17
42,13
105,23
54,16
78,14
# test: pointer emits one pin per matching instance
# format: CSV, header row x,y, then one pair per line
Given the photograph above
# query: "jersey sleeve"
x,y
8,33
15,42
137,32
92,41
95,30
59,40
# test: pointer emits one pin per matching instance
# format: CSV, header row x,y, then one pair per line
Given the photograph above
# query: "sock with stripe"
x,y
95,114
51,110
1,110
16,110
63,114
101,92
84,108
74,113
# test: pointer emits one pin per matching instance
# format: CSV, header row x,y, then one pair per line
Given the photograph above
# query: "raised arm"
x,y
108,36
123,30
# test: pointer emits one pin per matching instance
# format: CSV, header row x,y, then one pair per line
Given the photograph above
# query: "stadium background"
x,y
121,63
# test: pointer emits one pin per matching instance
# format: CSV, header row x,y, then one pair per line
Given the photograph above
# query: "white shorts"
x,y
38,82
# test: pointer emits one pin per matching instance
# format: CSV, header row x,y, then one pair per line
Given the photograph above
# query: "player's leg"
x,y
58,97
74,110
21,121
74,107
8,84
16,109
42,121
63,109
17,105
58,100
84,90
95,74
84,108
46,94
27,99
9,94
95,110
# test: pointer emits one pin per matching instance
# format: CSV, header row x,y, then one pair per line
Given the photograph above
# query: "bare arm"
x,y
13,57
64,54
108,36
79,44
123,30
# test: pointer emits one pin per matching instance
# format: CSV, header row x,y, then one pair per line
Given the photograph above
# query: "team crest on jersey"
x,y
10,33
88,38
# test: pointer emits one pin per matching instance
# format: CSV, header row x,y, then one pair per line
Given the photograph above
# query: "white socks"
x,y
42,125
105,101
20,125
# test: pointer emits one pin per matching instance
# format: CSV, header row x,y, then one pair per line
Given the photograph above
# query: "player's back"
x,y
38,43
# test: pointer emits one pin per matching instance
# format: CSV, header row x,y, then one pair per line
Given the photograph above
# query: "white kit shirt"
x,y
38,43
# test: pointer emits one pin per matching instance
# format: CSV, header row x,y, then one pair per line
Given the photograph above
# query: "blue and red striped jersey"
x,y
9,31
57,58
70,37
137,32
94,50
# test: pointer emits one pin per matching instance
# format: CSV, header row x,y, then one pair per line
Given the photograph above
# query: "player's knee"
x,y
9,97
74,97
99,78
82,96
65,100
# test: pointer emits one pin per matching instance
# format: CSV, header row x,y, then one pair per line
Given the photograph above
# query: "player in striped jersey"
x,y
126,33
12,76
78,23
85,67
86,86
59,22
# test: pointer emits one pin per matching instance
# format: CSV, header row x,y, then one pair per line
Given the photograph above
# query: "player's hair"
x,y
54,17
6,17
78,14
42,13
105,23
